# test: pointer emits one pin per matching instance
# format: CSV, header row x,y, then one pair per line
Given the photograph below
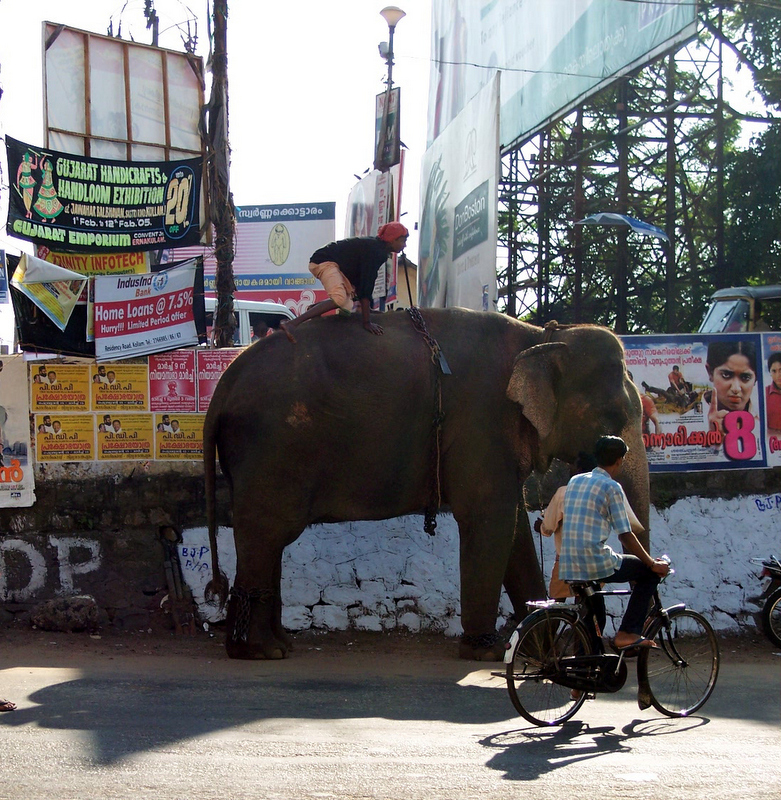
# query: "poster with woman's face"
x,y
702,399
771,364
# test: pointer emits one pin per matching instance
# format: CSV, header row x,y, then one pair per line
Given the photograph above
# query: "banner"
x,y
387,130
69,202
458,229
140,314
17,480
703,400
3,278
98,263
53,289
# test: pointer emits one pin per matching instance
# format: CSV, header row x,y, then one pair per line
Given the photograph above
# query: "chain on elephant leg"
x,y
484,647
248,640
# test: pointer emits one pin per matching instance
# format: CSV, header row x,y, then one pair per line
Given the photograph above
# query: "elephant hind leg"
x,y
254,620
251,632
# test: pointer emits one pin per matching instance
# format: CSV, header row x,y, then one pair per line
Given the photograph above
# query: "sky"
x,y
302,81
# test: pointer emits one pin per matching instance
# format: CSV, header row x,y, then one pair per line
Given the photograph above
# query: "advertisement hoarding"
x,y
457,250
551,55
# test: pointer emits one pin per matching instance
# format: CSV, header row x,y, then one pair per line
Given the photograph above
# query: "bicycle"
x,y
556,659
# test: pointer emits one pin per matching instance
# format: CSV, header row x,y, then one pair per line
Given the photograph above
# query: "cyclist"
x,y
593,507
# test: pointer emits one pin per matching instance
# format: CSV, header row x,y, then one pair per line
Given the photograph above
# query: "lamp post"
x,y
387,142
392,15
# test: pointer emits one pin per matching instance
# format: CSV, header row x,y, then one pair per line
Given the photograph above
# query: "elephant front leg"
x,y
523,580
486,538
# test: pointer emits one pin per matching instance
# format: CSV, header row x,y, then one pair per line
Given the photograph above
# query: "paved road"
x,y
125,718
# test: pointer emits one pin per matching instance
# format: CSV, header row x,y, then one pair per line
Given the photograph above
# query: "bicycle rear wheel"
x,y
682,672
543,639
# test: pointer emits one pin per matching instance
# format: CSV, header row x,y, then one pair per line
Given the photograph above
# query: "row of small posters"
x,y
125,410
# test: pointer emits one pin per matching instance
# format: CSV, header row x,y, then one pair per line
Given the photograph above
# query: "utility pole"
x,y
222,211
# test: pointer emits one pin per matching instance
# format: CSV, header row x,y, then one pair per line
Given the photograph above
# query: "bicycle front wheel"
x,y
544,638
682,672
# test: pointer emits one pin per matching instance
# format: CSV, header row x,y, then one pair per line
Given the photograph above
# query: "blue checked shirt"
x,y
593,507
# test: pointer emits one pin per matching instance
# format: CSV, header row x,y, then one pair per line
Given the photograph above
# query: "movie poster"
x,y
771,367
703,400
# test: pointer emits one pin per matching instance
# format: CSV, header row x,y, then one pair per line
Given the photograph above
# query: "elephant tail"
x,y
217,588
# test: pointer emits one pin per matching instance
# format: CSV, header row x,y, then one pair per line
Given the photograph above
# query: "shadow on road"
x,y
528,753
125,716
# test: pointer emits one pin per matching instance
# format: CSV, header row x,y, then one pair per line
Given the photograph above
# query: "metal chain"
x,y
435,456
484,641
243,599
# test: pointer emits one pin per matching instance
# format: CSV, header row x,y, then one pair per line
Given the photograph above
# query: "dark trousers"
x,y
645,581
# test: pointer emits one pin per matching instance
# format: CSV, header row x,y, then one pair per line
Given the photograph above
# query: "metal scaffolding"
x,y
652,146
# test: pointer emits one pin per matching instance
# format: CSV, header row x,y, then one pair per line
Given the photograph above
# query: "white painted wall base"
x,y
387,575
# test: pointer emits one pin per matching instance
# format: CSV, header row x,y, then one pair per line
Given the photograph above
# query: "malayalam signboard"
x,y
273,247
69,202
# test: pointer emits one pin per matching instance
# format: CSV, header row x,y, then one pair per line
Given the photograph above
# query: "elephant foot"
x,y
488,647
271,651
251,634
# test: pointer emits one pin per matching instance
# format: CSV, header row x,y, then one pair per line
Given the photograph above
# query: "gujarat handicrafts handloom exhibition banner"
x,y
709,400
69,202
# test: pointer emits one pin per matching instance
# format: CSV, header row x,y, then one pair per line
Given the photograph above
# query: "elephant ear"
x,y
535,374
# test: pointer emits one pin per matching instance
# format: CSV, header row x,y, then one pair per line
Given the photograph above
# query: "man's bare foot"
x,y
284,327
7,705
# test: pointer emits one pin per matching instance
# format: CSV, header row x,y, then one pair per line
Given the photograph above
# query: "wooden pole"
x,y
222,211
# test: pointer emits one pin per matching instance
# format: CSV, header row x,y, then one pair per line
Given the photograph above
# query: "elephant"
x,y
343,426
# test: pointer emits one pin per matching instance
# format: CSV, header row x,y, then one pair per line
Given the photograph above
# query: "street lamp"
x,y
387,141
392,15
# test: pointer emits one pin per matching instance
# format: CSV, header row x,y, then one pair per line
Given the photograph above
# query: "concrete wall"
x,y
98,533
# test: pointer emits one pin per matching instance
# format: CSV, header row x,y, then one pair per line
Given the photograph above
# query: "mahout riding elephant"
x,y
344,426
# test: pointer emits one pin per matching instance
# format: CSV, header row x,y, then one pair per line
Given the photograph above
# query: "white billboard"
x,y
110,98
457,247
552,54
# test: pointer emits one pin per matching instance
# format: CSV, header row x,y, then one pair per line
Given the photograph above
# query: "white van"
x,y
249,314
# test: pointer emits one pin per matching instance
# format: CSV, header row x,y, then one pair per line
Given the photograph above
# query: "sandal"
x,y
633,648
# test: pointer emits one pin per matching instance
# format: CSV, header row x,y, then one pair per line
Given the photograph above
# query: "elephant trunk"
x,y
634,478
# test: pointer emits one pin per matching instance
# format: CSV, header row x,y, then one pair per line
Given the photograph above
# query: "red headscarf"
x,y
392,231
